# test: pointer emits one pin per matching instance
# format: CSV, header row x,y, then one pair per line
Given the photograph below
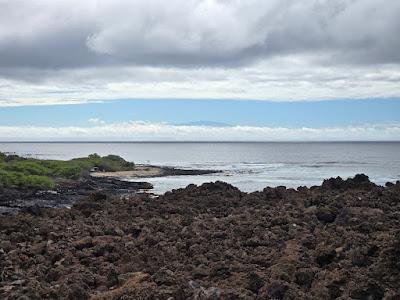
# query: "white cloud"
x,y
194,32
277,79
70,51
145,131
96,121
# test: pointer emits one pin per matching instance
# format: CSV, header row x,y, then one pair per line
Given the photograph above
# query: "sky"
x,y
199,70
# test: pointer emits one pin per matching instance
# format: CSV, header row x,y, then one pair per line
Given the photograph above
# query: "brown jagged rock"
x,y
339,240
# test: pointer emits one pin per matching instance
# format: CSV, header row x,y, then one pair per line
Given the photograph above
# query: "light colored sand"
x,y
140,171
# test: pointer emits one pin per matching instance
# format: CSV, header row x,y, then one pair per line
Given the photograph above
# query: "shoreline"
x,y
119,184
150,171
337,240
68,192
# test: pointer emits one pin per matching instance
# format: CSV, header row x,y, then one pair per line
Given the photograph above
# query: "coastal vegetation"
x,y
21,172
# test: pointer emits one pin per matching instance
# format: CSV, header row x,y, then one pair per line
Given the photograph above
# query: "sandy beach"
x,y
147,171
139,172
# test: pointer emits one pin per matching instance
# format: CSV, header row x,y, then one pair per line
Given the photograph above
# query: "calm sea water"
x,y
249,166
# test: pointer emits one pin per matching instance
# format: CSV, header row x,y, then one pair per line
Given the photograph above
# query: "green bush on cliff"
x,y
109,163
9,179
17,171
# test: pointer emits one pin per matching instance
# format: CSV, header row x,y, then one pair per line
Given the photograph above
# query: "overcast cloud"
x,y
67,51
140,131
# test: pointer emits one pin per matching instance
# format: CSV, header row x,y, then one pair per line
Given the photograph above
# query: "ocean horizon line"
x,y
195,142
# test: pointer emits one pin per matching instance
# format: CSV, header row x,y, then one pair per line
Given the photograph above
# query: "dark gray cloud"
x,y
192,33
70,51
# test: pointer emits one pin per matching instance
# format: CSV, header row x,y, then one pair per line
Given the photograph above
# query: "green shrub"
x,y
28,167
68,172
16,171
9,179
39,181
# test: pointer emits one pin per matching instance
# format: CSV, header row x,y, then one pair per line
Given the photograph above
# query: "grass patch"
x,y
20,172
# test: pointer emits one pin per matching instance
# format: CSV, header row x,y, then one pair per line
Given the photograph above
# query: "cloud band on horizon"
x,y
146,131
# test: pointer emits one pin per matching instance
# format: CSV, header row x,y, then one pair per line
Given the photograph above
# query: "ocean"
x,y
250,166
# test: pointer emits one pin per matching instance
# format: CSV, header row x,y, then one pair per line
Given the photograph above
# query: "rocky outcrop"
x,y
66,194
169,171
337,241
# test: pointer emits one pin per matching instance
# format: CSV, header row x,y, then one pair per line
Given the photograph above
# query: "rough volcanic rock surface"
x,y
66,193
337,241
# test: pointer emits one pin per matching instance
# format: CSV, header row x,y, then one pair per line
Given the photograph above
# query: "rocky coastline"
x,y
149,171
340,240
67,192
